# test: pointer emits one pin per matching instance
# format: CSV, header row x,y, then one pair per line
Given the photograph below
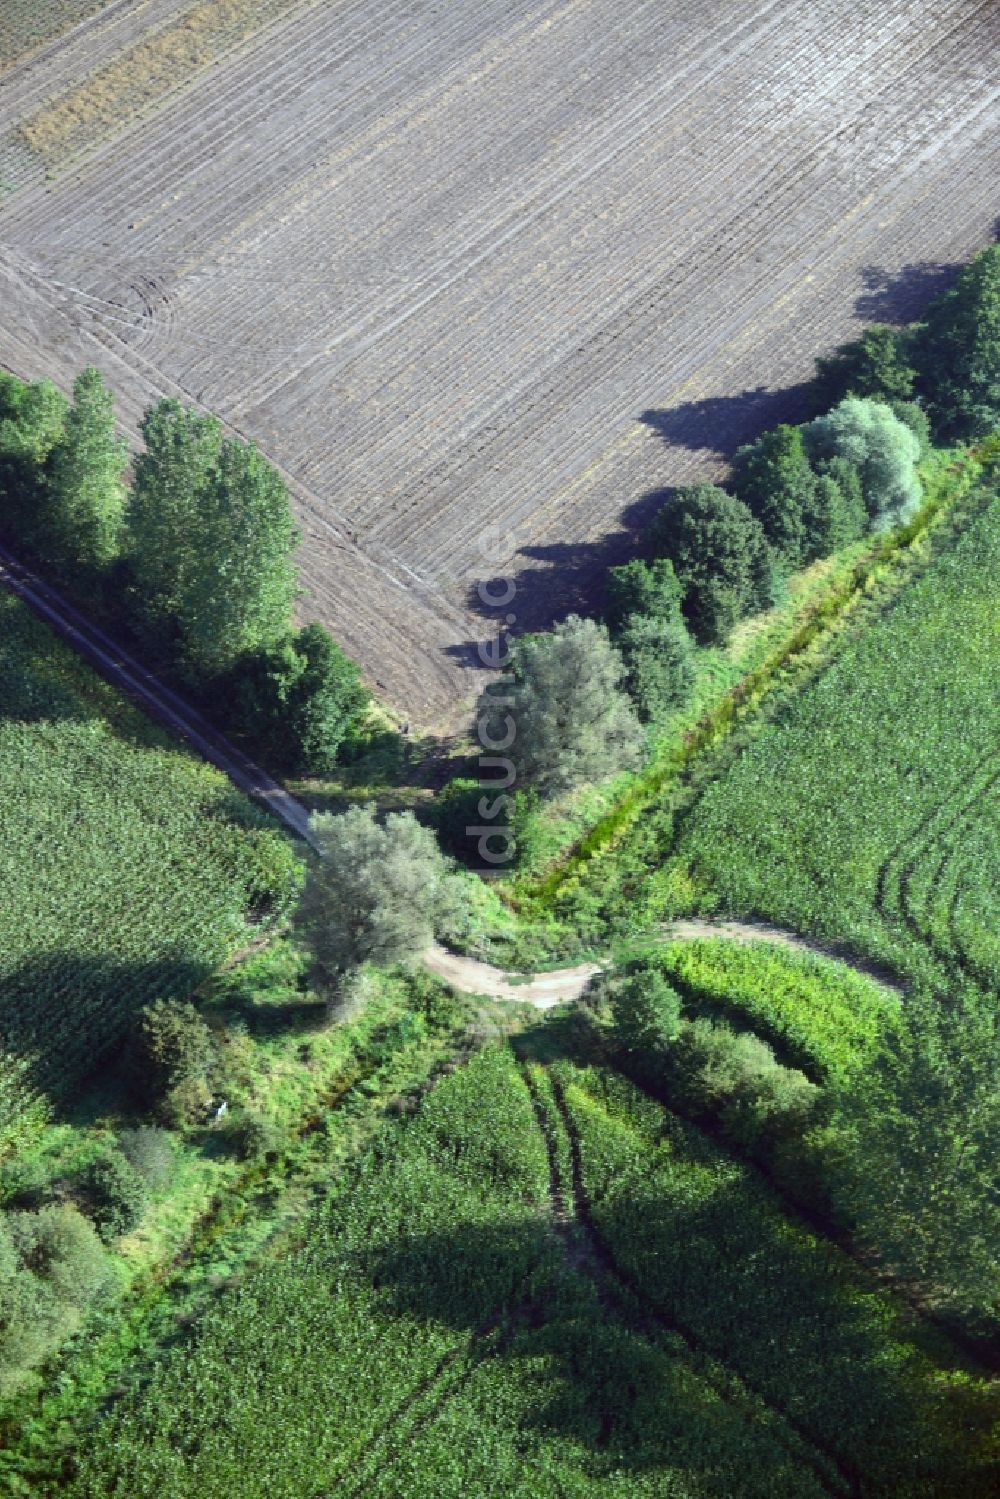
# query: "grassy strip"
x,y
218,1217
950,483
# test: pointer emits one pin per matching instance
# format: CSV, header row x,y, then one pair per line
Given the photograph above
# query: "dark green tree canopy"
x,y
238,586
876,366
720,555
172,472
85,494
957,352
32,420
774,480
297,700
658,655
648,588
836,514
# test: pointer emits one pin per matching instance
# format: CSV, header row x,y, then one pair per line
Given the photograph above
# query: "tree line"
x,y
583,693
193,559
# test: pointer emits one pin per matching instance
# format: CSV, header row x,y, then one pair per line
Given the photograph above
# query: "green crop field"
x,y
716,1255
129,869
451,1326
868,810
820,1014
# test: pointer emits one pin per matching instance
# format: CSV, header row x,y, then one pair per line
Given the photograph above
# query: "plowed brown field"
x,y
440,260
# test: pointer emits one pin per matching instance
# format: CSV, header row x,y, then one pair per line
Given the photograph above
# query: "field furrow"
x,y
511,265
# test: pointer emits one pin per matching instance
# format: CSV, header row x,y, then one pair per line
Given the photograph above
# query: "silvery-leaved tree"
x,y
377,892
561,714
883,450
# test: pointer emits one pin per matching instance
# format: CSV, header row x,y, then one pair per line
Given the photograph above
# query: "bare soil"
x,y
504,267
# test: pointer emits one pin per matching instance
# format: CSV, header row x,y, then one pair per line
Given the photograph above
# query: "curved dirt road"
x,y
564,984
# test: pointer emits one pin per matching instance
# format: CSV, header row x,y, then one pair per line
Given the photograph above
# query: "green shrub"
x,y
720,555
646,1012
957,352
114,1195
150,1151
648,588
174,1062
255,1136
875,366
733,1076
659,665
51,1268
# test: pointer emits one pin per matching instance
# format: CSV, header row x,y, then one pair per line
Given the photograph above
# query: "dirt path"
x,y
564,984
481,978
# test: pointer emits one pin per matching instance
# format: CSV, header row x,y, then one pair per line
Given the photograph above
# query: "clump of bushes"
x,y
706,1068
174,1063
52,1266
720,555
113,1194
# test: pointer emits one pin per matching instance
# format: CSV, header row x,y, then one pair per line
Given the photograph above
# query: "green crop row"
x,y
710,1250
433,1337
868,811
129,868
820,1014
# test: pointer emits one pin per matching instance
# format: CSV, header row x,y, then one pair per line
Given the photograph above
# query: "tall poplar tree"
x,y
237,588
85,494
181,449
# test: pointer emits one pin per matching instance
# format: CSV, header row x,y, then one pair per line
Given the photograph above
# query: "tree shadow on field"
x,y
610,1352
554,579
64,1016
616,1401
721,424
902,296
